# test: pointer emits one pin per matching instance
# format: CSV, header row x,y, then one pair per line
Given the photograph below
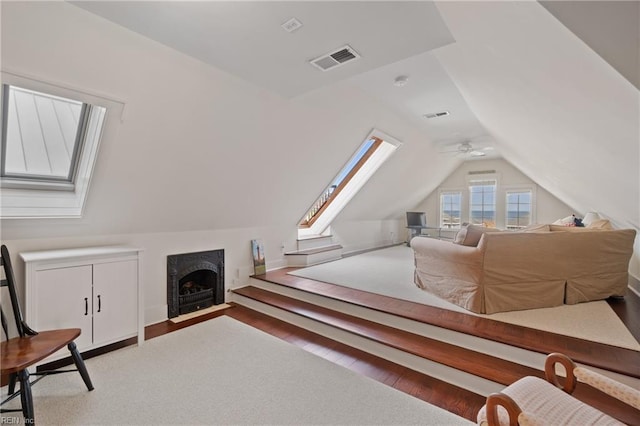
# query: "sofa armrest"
x,y
450,271
446,250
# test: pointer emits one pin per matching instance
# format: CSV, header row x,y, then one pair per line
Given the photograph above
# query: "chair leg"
x,y
25,397
12,383
77,359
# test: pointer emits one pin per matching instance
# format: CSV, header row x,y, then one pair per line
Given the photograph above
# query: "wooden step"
x,y
478,364
611,358
314,241
440,393
312,256
469,361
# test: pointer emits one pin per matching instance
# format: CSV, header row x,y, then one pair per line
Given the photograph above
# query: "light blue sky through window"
x,y
347,169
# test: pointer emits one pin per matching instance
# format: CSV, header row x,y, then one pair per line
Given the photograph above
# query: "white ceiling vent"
x,y
335,59
482,172
436,114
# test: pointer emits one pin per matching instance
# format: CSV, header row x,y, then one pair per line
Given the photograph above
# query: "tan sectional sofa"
x,y
509,271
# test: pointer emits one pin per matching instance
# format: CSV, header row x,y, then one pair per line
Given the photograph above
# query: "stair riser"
x,y
521,356
312,243
499,350
439,371
303,260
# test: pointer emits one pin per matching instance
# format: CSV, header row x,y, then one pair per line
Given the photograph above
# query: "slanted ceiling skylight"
x,y
50,140
43,135
371,154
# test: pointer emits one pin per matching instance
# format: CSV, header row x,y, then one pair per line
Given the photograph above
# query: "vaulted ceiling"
x,y
394,39
551,93
527,80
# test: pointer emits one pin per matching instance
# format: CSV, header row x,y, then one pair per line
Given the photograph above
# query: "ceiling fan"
x,y
465,148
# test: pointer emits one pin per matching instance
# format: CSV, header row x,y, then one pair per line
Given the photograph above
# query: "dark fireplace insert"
x,y
194,281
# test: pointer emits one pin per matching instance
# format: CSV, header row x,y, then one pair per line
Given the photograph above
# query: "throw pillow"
x,y
567,221
461,234
469,235
600,224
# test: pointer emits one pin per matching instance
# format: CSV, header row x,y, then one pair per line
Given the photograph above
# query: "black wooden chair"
x,y
28,348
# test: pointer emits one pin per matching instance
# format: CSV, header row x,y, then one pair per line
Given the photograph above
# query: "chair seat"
x,y
549,405
19,353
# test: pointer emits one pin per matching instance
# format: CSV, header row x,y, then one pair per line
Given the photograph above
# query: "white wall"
x,y
203,160
547,207
157,246
558,111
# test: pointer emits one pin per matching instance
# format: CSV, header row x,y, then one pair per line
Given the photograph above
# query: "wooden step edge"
x,y
626,361
425,387
314,250
466,360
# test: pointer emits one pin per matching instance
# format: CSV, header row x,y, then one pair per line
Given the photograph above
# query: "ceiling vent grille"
x,y
335,59
436,114
482,172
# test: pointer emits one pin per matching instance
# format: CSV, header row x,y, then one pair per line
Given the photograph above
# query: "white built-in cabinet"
x,y
95,289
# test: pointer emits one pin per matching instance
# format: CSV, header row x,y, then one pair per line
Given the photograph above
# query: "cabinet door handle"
x,y
99,303
86,306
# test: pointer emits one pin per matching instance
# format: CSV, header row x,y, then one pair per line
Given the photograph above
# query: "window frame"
x,y
470,184
55,198
442,192
520,189
383,147
27,180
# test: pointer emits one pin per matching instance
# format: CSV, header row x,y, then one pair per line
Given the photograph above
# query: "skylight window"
x,y
50,140
373,152
42,135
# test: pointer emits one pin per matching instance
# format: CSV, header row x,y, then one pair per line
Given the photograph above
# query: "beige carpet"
x,y
390,272
223,372
191,315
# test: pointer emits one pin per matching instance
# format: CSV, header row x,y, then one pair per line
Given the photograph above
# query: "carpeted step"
x,y
478,364
466,360
615,359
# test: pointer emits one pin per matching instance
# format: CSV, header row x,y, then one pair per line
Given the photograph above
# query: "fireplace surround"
x,y
194,281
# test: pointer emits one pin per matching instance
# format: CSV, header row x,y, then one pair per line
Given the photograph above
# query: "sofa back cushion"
x,y
469,235
600,224
536,227
563,228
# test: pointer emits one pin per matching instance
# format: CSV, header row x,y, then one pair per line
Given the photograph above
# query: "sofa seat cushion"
x,y
548,405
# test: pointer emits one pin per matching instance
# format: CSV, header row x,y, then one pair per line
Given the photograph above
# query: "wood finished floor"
x,y
609,357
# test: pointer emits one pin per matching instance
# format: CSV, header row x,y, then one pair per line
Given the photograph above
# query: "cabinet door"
x,y
115,301
63,300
